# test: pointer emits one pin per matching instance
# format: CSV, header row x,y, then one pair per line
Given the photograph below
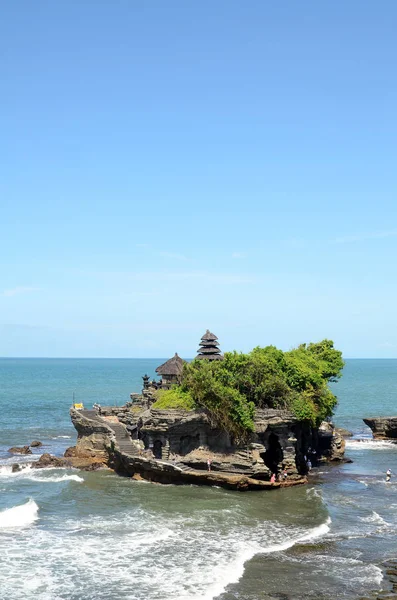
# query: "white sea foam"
x,y
374,517
41,475
55,479
369,444
19,516
313,493
154,556
6,471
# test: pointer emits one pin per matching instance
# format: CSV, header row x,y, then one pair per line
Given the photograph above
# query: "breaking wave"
x,y
200,554
19,516
369,444
374,517
26,472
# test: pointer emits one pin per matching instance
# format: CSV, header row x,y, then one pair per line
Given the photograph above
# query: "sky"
x,y
168,167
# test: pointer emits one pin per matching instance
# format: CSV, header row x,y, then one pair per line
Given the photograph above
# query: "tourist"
x,y
285,475
309,465
273,478
388,475
209,461
314,456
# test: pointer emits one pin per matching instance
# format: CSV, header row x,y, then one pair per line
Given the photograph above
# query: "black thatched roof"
x,y
209,343
173,366
209,336
209,350
209,347
210,357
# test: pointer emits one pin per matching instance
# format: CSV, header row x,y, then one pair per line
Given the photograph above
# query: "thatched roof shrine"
x,y
173,366
209,347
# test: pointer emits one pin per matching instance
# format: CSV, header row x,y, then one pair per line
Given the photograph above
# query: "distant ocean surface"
x,y
71,535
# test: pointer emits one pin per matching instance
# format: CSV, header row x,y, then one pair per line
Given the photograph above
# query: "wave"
x,y
41,475
314,493
369,444
374,517
235,569
19,516
6,471
195,556
56,479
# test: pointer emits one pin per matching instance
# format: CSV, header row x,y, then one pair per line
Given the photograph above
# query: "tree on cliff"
x,y
265,377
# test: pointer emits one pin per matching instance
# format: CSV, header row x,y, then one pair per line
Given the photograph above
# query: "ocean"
x,y
71,535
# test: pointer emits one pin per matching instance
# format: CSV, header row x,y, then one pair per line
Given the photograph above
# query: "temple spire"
x,y
209,347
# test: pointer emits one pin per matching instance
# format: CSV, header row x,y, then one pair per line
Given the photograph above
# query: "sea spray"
x,y
42,475
19,516
369,444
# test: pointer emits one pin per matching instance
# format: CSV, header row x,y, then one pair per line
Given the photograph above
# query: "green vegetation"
x,y
231,389
174,398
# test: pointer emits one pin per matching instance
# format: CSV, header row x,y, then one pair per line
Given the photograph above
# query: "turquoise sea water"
x,y
70,535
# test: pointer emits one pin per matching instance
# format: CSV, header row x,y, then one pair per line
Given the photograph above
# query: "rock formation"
x,y
174,446
331,443
383,428
20,450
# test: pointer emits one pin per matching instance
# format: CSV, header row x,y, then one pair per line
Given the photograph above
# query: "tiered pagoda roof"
x,y
209,347
173,366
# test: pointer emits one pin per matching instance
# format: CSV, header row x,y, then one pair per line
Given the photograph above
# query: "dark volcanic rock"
x,y
331,443
176,446
47,460
20,450
94,466
15,468
383,427
343,432
36,444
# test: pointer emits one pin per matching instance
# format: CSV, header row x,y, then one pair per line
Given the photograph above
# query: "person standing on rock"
x,y
209,461
388,475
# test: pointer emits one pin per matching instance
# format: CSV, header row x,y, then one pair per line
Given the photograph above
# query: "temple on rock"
x,y
209,347
171,371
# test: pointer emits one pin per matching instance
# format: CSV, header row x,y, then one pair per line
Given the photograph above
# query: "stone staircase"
x,y
184,467
123,439
165,452
121,434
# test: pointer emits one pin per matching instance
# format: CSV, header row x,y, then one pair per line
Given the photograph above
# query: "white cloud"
x,y
22,289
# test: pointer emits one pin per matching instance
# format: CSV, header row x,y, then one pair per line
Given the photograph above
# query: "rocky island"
x,y
243,421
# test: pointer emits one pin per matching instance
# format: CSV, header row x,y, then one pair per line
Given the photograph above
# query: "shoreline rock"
x,y
345,433
383,428
19,450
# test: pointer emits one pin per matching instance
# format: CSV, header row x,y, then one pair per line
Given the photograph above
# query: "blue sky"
x,y
172,166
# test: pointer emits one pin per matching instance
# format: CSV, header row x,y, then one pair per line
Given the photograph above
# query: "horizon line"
x,y
156,357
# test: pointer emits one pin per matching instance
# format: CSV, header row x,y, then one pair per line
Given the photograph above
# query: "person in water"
x,y
388,475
